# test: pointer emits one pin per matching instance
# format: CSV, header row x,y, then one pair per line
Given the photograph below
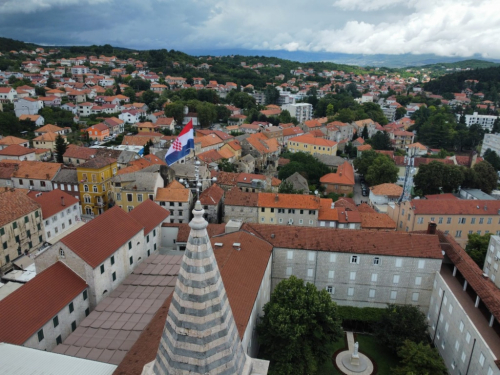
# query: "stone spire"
x,y
200,335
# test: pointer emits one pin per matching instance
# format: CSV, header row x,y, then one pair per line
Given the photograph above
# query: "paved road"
x,y
358,198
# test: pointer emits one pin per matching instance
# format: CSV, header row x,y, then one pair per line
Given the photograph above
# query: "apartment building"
x,y
486,121
301,111
492,142
288,209
131,189
312,145
177,200
457,217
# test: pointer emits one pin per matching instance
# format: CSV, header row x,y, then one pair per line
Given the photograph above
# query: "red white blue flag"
x,y
182,145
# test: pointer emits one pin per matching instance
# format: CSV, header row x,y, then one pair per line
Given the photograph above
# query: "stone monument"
x,y
355,355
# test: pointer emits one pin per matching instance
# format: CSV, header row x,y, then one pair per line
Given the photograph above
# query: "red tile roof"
x,y
376,220
16,150
459,207
30,307
149,215
235,197
78,152
15,204
441,196
339,240
343,176
101,237
51,201
299,201
212,195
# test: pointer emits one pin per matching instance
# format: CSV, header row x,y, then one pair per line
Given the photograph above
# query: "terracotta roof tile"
x,y
78,152
235,197
390,190
149,215
97,162
326,213
172,195
376,220
227,178
343,176
363,207
212,195
389,243
459,207
52,201
37,170
347,216
108,232
441,196
226,153
11,140
16,150
248,177
15,204
27,309
49,128
308,202
210,156
310,140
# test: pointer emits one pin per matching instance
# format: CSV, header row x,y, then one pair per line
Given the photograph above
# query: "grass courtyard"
x,y
368,345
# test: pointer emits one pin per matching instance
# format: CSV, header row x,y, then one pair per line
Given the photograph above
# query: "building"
x,y
78,155
27,106
10,140
35,175
299,182
47,140
67,180
490,141
288,209
37,119
16,152
60,211
340,182
21,226
457,218
486,121
7,95
98,131
370,269
108,248
177,200
312,145
131,189
212,199
301,111
241,206
43,312
94,178
384,194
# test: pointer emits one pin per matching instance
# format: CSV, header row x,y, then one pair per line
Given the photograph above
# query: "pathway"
x,y
350,349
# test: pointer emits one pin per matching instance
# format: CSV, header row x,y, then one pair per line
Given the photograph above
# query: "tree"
x,y
272,94
400,323
286,187
380,141
486,176
364,161
148,97
299,324
223,113
130,93
400,112
147,147
419,359
492,158
175,110
226,166
51,82
207,114
436,177
364,133
496,126
285,117
60,148
477,247
330,110
383,170
108,92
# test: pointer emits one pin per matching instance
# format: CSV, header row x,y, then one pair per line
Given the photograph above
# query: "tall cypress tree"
x,y
60,148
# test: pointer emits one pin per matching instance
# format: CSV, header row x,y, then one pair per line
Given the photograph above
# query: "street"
x,y
358,198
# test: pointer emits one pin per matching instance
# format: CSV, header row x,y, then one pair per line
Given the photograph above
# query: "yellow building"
x,y
131,189
311,145
47,140
94,182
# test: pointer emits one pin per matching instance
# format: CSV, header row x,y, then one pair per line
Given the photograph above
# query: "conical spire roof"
x,y
200,335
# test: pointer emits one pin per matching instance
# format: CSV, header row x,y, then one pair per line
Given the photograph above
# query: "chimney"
x,y
431,228
276,198
62,201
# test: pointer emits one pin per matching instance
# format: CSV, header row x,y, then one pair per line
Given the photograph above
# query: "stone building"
x,y
177,200
21,226
212,199
288,209
43,313
35,175
241,206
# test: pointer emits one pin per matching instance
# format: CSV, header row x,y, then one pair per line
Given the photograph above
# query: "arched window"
x,y
61,253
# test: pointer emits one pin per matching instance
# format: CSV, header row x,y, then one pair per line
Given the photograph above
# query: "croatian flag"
x,y
181,146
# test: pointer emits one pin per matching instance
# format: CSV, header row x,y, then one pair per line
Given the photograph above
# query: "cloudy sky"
x,y
442,27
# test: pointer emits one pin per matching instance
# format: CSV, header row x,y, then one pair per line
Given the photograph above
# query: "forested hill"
x,y
489,82
7,45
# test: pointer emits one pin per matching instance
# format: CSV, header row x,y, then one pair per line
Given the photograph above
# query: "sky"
x,y
442,27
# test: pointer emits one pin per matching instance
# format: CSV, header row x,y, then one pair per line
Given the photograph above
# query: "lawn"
x,y
367,345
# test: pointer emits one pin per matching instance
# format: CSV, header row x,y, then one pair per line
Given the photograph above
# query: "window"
x,y
395,279
490,371
130,245
399,262
71,307
333,258
58,340
467,337
2,231
458,233
394,294
55,321
94,188
154,247
73,326
448,221
87,311
301,221
118,196
355,259
154,232
129,197
131,260
350,292
352,275
14,225
371,293
147,238
312,212
461,327
289,271
102,269
420,220
112,259
310,256
440,220
461,220
414,297
289,254
374,277
310,272
446,326
329,289
376,260
481,220
113,275
473,220
418,280
85,295
450,308
262,209
40,335
489,221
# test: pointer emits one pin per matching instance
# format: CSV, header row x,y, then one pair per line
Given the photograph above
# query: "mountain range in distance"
x,y
377,60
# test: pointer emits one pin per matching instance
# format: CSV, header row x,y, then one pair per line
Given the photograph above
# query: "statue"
x,y
356,348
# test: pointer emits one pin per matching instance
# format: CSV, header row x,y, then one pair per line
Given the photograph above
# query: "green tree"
x,y
364,161
492,158
286,187
285,117
223,113
148,97
51,82
380,141
272,94
383,170
147,147
60,148
419,359
364,133
477,247
299,324
400,112
330,110
226,166
207,114
108,92
400,323
346,115
130,93
486,176
496,126
435,177
175,110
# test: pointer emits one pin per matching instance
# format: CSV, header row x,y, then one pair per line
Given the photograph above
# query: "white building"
x,y
177,200
79,69
7,94
60,211
53,304
301,111
27,106
486,121
492,142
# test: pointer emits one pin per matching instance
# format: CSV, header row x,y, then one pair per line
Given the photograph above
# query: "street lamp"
x,y
197,180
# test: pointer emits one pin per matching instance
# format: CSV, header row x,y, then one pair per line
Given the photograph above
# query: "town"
x,y
377,188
